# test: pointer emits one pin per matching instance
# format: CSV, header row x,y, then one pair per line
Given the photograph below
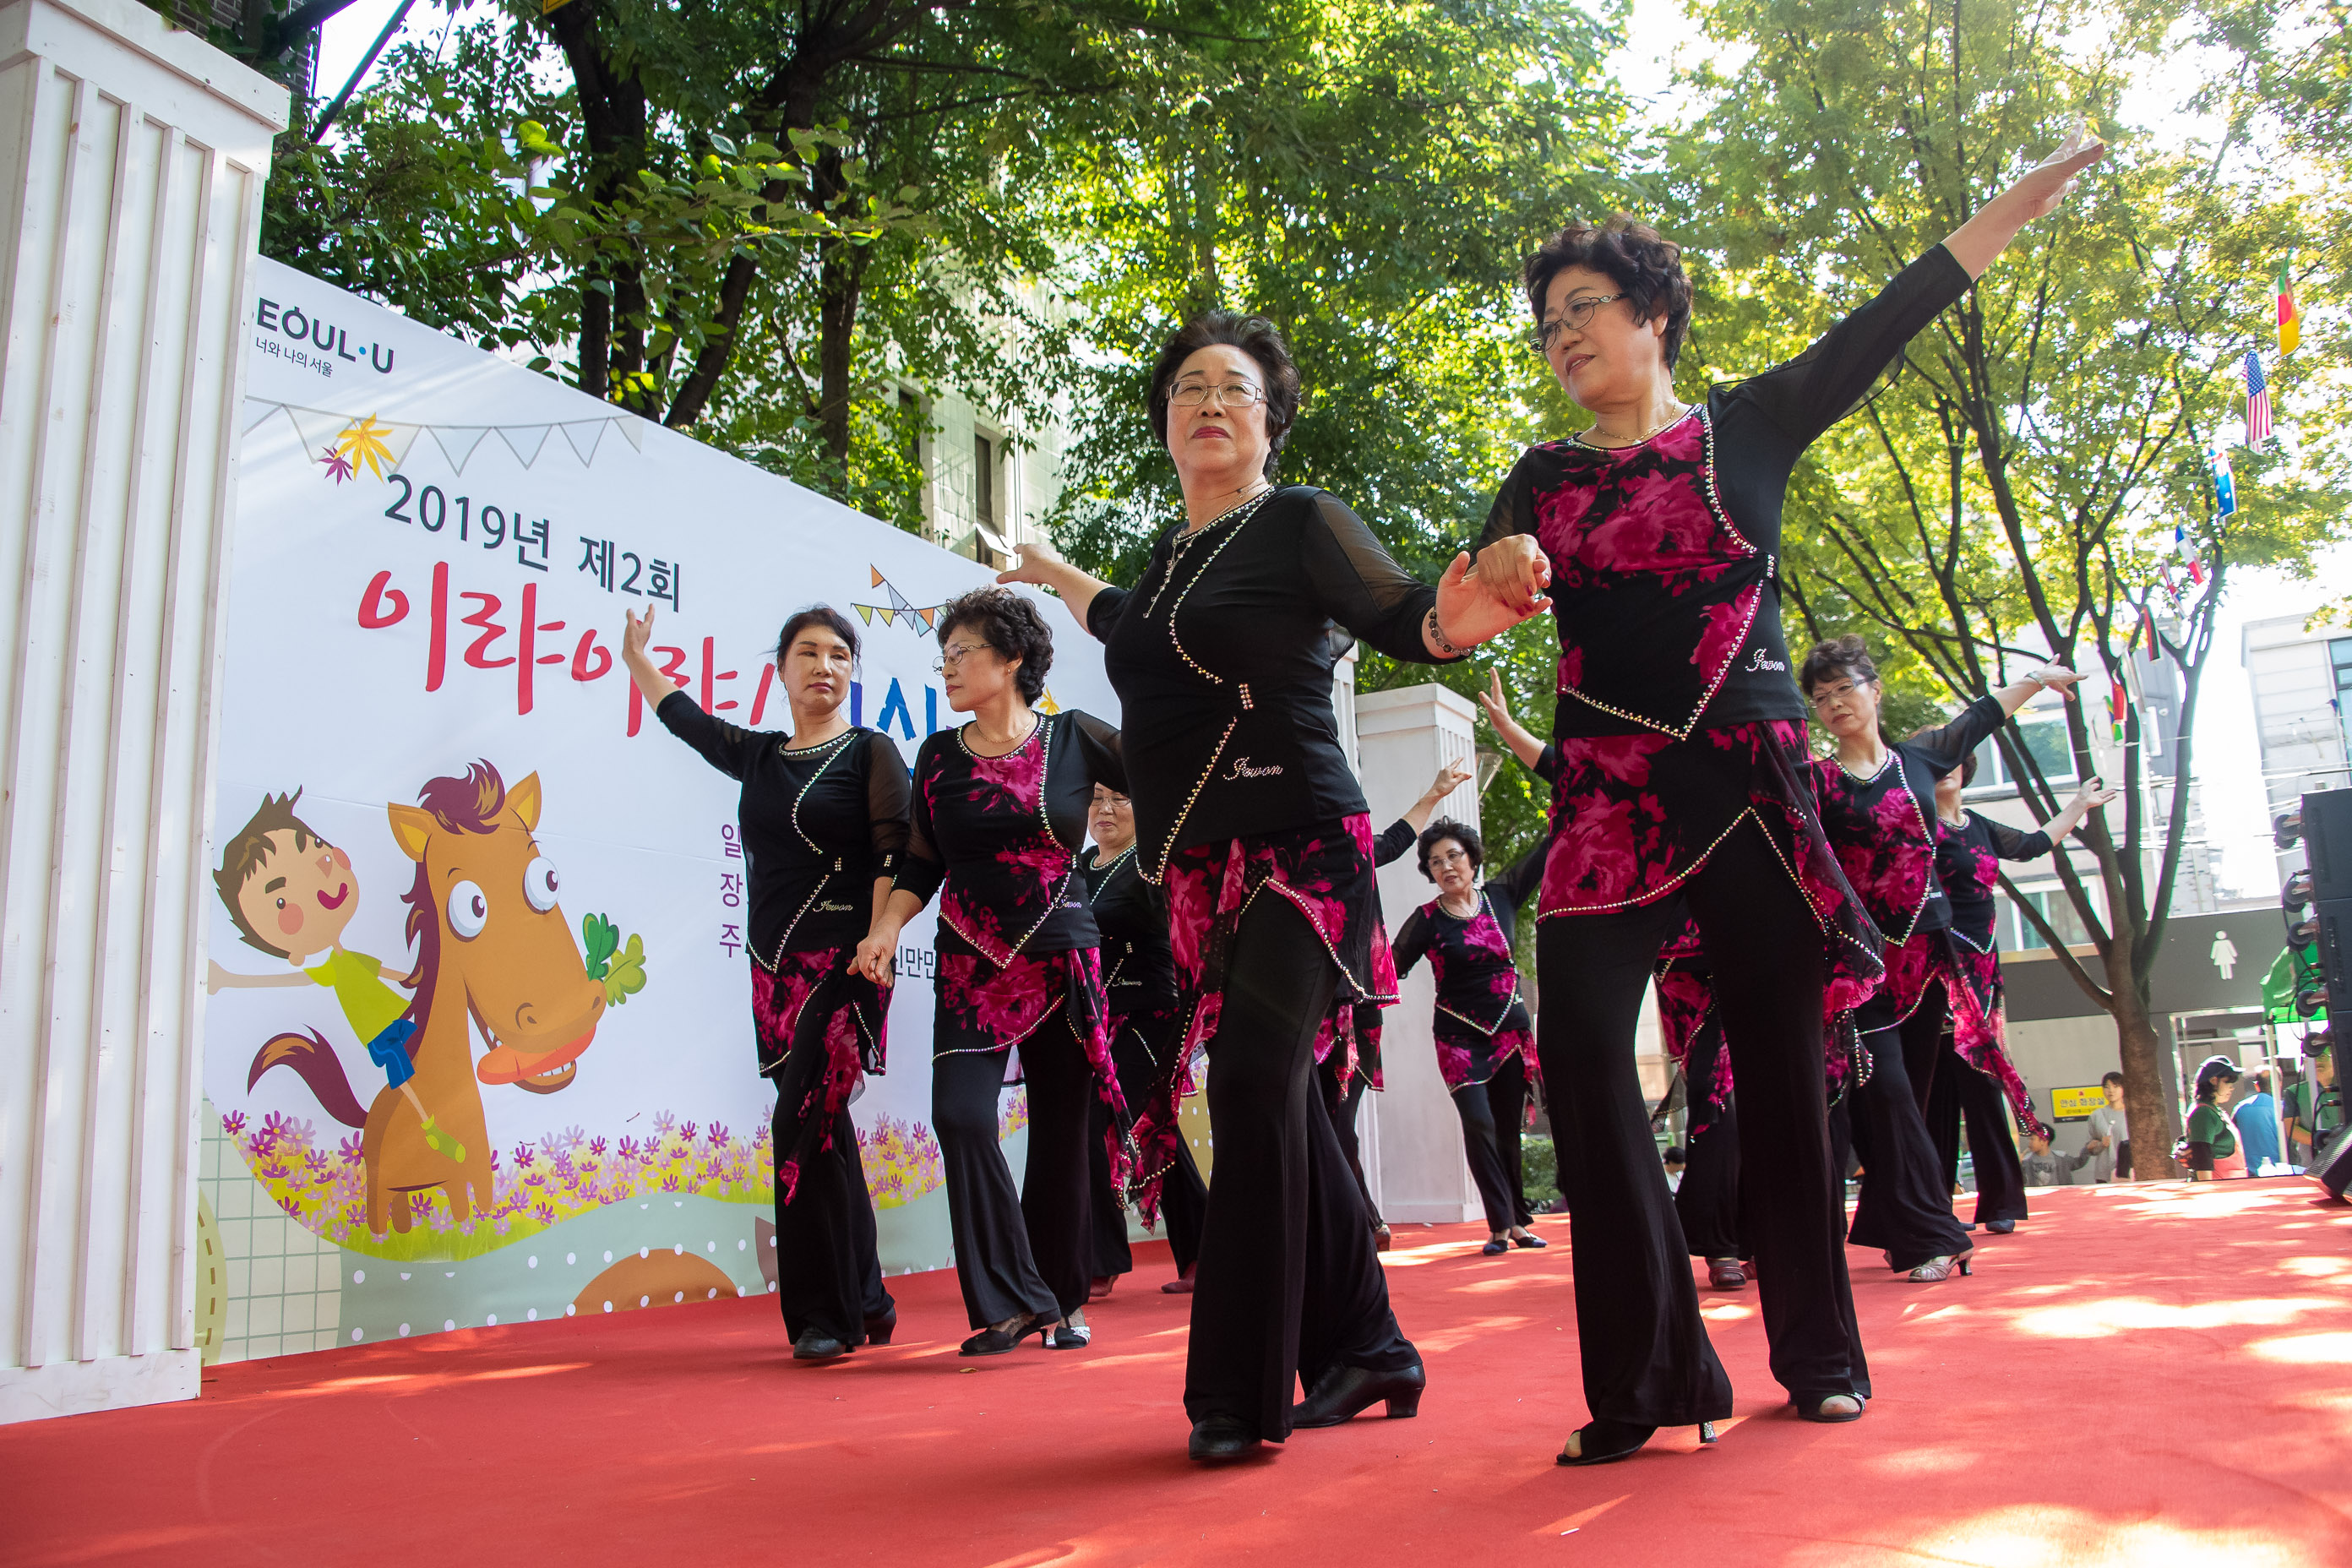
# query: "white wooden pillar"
x,y
131,163
1411,1139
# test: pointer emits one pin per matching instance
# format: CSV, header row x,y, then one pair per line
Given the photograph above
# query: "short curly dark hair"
x,y
1254,336
1646,267
1462,833
1009,624
1848,655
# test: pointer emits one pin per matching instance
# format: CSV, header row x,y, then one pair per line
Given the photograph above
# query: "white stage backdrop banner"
x,y
434,552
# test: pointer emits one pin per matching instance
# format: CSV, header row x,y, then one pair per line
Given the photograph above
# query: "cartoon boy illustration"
x,y
276,876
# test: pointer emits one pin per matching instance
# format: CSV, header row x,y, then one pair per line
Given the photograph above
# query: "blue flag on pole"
x,y
2225,487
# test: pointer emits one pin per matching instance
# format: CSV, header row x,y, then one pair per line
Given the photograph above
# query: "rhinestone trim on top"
x,y
840,744
1486,909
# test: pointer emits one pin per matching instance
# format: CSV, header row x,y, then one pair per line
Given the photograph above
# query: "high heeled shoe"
x,y
815,1344
879,1328
2002,1227
1068,1337
1938,1269
1725,1274
1342,1394
1816,1407
993,1341
1606,1442
1100,1287
1221,1437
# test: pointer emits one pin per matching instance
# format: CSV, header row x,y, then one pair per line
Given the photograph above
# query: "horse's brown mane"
x,y
467,805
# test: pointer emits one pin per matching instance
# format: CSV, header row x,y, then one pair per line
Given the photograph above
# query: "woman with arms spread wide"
x,y
1247,812
1682,796
824,817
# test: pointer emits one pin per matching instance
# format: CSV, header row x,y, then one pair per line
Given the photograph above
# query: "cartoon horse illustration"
x,y
492,948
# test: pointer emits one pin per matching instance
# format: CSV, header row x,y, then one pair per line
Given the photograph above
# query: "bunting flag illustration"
x,y
348,445
2290,319
2225,487
2258,402
919,617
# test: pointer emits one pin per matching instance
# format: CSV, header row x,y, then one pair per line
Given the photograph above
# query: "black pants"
x,y
1647,1358
1183,1196
1032,1252
1491,1113
1707,1201
828,1273
1289,1285
1905,1206
1959,1092
1343,1102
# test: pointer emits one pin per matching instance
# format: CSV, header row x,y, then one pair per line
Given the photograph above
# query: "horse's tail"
x,y
311,1056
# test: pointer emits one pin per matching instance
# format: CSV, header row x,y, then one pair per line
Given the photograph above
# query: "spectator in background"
x,y
2110,1140
2256,1116
2211,1144
2045,1169
2315,1108
1674,1161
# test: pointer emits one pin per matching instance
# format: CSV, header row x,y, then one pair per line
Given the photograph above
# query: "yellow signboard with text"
x,y
2076,1104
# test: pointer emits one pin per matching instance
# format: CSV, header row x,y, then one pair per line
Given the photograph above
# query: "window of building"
x,y
2044,731
983,478
2339,659
2014,933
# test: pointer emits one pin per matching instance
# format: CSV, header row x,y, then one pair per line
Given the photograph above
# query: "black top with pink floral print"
x,y
1664,555
1478,977
1967,862
1883,826
1138,970
1001,836
821,826
1223,657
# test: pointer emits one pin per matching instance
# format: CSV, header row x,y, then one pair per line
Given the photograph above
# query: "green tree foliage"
x,y
2013,491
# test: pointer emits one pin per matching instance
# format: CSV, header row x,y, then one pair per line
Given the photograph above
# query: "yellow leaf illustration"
x,y
363,442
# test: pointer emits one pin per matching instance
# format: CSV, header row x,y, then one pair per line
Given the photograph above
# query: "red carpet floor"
x,y
2140,1376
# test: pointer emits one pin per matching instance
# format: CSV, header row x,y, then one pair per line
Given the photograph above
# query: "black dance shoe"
x,y
1382,1238
1529,1240
1496,1249
1817,1407
815,1344
1068,1337
995,1340
2000,1226
1606,1442
878,1329
1345,1392
1725,1274
1220,1437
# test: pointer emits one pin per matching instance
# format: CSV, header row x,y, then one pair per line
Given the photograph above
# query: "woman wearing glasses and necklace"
x,y
1000,811
1877,803
1684,795
1247,813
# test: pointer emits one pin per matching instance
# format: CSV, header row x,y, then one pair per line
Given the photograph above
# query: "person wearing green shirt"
x,y
2209,1137
2314,1109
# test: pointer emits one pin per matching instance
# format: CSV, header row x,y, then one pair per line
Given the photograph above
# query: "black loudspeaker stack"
x,y
2328,849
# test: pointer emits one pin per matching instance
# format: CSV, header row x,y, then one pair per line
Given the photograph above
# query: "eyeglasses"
x,y
1823,699
1233,394
953,656
1574,317
1449,857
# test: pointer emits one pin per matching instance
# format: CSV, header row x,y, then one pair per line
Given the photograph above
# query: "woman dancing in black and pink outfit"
x,y
1000,809
1684,795
824,818
1878,803
1974,1077
1485,1041
1248,813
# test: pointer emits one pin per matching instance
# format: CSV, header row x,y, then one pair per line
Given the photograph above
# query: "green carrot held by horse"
x,y
494,954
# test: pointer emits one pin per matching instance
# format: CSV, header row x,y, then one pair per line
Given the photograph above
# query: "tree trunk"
x,y
2141,1048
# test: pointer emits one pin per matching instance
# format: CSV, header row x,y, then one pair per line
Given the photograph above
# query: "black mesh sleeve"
x,y
1412,942
722,745
1513,508
1395,842
1947,748
1099,743
1358,585
888,800
1524,876
2010,844
1821,385
920,871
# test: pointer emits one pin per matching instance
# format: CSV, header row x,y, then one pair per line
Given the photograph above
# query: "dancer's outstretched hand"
x,y
1517,571
1034,563
2046,184
1494,701
2095,792
2057,678
1471,608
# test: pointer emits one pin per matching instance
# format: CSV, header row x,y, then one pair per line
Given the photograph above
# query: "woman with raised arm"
x,y
824,818
1974,1077
1139,982
1683,794
1246,810
1000,811
1485,1041
1877,801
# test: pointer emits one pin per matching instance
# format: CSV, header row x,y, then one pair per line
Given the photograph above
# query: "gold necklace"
x,y
1581,437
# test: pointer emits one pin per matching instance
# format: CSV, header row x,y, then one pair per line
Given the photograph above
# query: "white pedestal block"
x,y
1411,1138
132,161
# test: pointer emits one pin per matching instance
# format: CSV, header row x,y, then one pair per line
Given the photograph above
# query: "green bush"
x,y
1538,1169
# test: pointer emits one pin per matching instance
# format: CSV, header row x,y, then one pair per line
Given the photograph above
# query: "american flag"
x,y
2257,403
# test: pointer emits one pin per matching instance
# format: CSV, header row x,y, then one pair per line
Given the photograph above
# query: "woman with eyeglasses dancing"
x,y
1877,801
1247,812
824,817
1682,795
1000,811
